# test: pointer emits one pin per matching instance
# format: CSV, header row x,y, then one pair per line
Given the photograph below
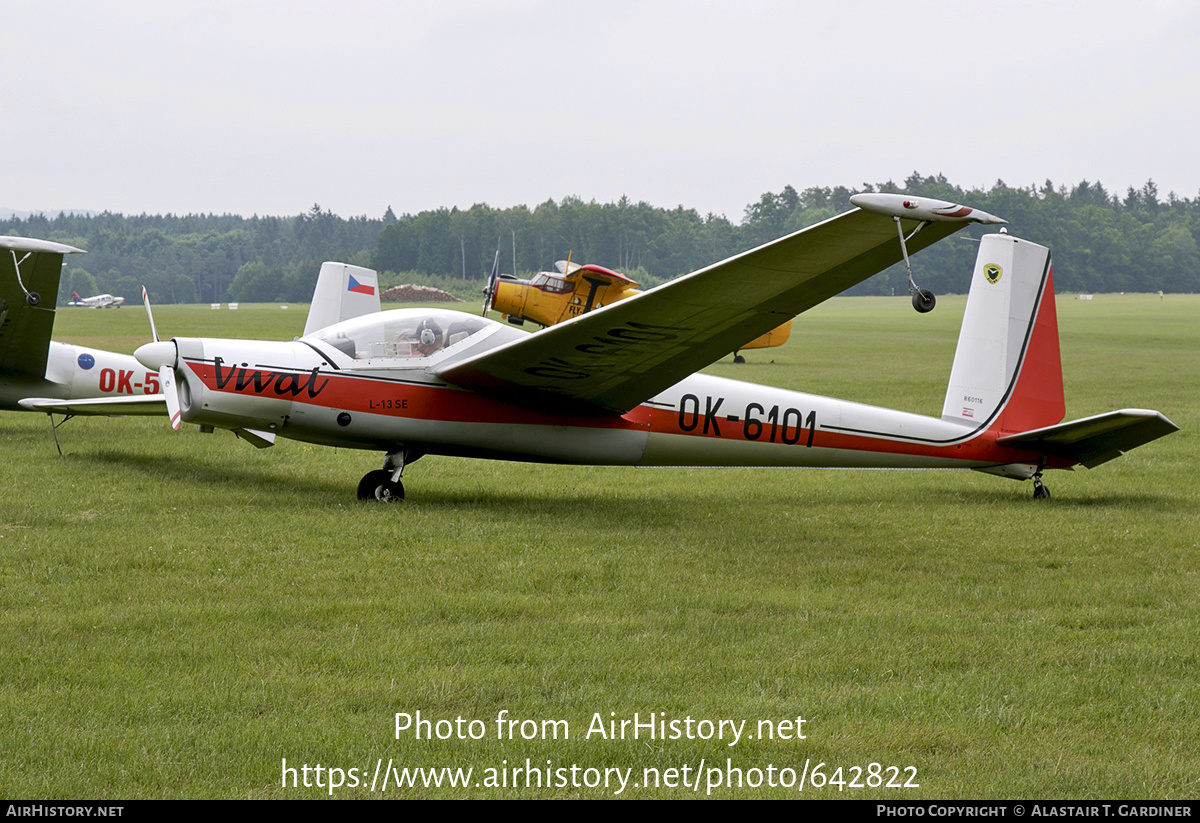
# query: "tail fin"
x,y
1007,372
343,291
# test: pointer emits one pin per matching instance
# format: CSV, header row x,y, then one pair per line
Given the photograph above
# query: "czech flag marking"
x,y
360,288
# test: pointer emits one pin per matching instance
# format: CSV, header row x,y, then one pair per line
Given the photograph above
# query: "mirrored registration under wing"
x,y
616,357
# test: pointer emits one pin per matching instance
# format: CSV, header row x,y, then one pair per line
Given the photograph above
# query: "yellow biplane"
x,y
552,297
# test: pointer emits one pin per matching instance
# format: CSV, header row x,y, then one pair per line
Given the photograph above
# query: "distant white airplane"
x,y
100,301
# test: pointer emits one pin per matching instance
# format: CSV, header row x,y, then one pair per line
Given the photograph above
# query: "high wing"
x,y
29,273
601,274
615,357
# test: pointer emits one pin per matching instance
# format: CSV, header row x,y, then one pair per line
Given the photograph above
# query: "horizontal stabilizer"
x,y
1095,440
101,406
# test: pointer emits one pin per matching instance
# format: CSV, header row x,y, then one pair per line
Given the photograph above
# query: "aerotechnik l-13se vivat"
x,y
617,386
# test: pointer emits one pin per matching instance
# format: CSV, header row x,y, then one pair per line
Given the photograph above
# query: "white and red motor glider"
x,y
617,386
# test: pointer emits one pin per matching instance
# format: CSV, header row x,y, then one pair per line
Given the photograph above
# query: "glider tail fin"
x,y
343,292
1007,373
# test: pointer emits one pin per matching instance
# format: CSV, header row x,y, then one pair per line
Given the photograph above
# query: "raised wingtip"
x,y
922,208
31,245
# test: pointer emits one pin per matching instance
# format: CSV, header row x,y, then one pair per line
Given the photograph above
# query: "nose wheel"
x,y
383,485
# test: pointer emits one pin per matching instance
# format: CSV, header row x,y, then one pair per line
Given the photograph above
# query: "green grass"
x,y
181,612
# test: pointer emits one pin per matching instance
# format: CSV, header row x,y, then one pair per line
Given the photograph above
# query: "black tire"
x,y
33,298
378,485
737,358
923,300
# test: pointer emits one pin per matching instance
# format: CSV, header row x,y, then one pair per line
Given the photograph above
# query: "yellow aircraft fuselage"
x,y
548,298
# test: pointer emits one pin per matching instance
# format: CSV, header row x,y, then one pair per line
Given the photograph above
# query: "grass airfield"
x,y
182,612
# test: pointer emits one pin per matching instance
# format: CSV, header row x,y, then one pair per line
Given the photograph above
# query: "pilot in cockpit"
x,y
429,338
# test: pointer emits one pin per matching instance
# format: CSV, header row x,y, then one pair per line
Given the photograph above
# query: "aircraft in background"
x,y
100,301
617,385
342,292
548,298
42,375
39,374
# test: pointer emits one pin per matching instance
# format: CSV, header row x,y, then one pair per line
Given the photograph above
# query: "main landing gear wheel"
x,y
737,358
923,300
378,485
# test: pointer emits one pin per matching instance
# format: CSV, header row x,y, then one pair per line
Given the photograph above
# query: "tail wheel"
x,y
1040,492
378,485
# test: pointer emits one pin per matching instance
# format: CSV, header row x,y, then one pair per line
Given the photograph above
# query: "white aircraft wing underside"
x,y
113,406
614,358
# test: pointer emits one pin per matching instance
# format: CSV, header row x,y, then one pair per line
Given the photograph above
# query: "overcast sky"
x,y
268,107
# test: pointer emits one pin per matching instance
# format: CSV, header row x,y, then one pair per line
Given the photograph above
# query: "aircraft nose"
x,y
507,298
157,354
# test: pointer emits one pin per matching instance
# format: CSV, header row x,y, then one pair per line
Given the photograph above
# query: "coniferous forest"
x,y
1101,241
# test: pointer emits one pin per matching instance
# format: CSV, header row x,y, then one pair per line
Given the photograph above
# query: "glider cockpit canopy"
x,y
401,333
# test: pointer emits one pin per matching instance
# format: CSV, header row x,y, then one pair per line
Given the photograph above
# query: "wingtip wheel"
x,y
923,300
31,297
926,210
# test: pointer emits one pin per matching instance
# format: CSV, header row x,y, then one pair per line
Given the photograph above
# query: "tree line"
x,y
1101,242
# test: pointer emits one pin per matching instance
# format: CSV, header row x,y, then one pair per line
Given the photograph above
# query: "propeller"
x,y
161,355
490,292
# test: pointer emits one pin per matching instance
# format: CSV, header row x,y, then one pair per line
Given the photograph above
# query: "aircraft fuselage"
x,y
295,390
79,372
